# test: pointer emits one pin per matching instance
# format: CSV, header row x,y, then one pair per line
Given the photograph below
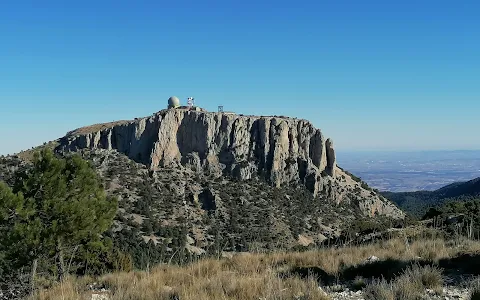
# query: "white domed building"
x,y
173,102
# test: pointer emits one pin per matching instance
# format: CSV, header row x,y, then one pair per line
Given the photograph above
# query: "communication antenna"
x,y
220,108
190,102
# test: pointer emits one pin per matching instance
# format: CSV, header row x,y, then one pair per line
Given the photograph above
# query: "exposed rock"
x,y
305,241
195,250
228,255
100,296
283,149
331,159
448,293
372,259
321,238
279,149
190,240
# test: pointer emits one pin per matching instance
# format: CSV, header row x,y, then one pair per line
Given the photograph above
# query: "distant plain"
x,y
411,171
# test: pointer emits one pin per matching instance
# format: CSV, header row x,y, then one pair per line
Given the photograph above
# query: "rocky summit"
x,y
280,150
284,149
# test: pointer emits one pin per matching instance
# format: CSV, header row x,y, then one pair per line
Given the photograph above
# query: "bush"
x,y
355,178
430,277
475,290
359,283
410,285
379,290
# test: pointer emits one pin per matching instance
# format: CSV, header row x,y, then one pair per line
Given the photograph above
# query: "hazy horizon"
x,y
412,171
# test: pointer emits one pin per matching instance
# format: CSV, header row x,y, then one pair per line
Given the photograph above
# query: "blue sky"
x,y
373,75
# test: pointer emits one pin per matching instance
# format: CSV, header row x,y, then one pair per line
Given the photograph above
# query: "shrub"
x,y
431,277
365,186
355,178
359,283
379,290
408,287
475,290
412,283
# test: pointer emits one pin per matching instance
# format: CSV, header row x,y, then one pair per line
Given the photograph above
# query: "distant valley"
x,y
412,171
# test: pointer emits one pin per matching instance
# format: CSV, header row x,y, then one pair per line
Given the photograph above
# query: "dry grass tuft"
x,y
211,280
70,289
475,290
96,128
410,285
379,290
359,283
430,277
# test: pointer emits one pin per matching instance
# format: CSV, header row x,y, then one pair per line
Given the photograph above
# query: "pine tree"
x,y
15,235
57,204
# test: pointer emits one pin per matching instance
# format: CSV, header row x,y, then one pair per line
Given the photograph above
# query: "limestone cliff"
x,y
282,150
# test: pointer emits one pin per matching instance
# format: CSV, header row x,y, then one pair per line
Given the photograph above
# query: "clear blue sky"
x,y
399,75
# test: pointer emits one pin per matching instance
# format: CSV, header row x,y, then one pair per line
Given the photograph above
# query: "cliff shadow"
x,y
191,137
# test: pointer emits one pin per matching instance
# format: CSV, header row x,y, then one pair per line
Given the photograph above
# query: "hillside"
x,y
418,202
211,183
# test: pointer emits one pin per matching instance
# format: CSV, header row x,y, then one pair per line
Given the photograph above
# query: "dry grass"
x,y
28,155
379,290
410,285
475,290
270,276
96,128
430,277
165,283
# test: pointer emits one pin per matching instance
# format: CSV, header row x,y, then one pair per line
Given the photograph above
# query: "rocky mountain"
x,y
285,150
210,182
281,150
418,202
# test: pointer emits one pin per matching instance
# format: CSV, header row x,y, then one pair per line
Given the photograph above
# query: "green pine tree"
x,y
57,204
15,235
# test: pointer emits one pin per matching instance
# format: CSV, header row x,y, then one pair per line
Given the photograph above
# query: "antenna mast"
x,y
190,102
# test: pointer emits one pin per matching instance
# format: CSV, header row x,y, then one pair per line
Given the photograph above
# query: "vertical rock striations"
x,y
331,159
280,149
283,149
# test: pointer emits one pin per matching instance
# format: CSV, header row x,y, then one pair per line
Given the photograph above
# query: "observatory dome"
x,y
173,102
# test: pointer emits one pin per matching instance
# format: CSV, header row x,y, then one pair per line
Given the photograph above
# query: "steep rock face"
x,y
283,149
280,149
331,158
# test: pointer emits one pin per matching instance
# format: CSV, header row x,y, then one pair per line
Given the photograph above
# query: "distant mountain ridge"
x,y
456,189
418,202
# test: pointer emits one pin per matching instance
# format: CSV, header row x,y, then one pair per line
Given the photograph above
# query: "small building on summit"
x,y
173,102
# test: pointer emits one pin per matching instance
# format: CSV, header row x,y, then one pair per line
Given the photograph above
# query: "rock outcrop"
x,y
281,150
